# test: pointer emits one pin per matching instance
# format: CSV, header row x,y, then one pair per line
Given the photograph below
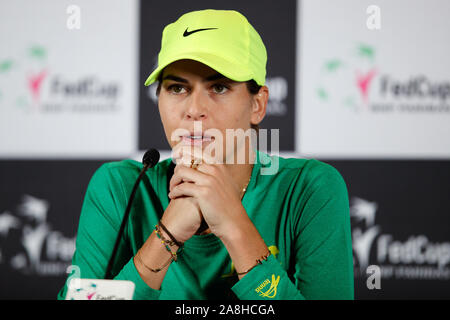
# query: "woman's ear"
x,y
259,105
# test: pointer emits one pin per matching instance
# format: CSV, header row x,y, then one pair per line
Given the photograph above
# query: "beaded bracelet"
x,y
258,262
164,241
175,241
168,243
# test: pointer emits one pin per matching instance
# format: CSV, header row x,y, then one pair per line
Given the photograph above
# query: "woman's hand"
x,y
210,184
182,218
219,201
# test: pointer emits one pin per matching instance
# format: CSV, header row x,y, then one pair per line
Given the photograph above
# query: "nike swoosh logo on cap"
x,y
188,33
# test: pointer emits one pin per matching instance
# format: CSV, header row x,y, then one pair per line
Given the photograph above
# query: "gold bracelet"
x,y
258,262
138,256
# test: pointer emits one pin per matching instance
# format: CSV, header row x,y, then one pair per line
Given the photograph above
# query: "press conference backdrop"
x,y
362,85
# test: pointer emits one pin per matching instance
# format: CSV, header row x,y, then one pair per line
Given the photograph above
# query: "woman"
x,y
219,229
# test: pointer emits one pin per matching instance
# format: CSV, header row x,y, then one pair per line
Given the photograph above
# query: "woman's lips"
x,y
190,141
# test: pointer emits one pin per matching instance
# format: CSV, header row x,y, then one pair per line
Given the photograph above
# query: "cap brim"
x,y
231,70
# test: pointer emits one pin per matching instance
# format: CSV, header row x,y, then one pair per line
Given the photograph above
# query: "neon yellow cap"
x,y
224,40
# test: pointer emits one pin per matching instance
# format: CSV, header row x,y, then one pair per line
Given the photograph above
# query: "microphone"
x,y
150,159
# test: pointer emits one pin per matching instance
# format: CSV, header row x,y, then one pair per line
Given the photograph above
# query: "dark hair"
x,y
252,86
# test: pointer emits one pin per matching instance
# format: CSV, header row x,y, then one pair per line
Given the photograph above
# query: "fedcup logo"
x,y
357,83
359,76
87,291
28,243
212,147
415,257
41,85
33,64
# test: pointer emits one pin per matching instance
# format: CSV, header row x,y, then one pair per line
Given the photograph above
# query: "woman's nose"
x,y
197,106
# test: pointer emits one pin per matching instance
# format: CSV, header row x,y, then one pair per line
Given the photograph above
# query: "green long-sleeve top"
x,y
300,209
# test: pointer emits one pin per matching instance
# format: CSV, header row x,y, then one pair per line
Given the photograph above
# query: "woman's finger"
x,y
196,153
185,189
186,174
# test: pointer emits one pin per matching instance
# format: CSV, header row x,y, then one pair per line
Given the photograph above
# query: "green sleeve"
x,y
100,219
322,246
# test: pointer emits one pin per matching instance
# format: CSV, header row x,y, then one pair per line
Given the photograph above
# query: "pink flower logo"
x,y
35,83
363,83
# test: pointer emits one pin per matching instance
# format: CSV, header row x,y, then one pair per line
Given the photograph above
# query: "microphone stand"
x,y
147,164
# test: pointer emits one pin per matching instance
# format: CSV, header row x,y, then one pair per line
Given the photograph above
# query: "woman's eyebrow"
x,y
175,78
215,76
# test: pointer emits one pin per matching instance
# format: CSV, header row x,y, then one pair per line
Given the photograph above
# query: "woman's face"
x,y
193,93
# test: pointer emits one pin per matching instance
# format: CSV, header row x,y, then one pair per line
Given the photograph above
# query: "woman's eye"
x,y
219,88
176,88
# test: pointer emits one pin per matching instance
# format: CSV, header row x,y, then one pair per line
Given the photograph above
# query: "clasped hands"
x,y
210,187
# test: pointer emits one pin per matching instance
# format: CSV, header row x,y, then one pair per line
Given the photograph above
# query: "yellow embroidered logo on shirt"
x,y
272,291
